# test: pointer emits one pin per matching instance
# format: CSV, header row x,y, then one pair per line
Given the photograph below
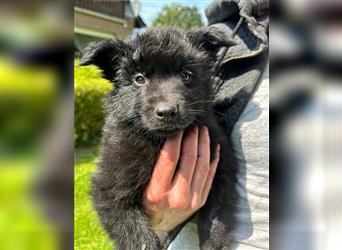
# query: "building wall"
x,y
93,26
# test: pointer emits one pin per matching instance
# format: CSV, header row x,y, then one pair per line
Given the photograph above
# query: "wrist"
x,y
166,222
160,223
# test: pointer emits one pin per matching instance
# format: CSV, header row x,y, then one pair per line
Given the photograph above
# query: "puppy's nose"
x,y
164,111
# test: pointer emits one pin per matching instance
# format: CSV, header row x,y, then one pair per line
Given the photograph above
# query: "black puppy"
x,y
164,84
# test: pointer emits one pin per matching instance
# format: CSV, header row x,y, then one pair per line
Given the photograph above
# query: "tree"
x,y
177,15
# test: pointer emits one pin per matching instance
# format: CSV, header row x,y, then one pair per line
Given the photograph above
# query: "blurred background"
x,y
36,123
40,42
305,124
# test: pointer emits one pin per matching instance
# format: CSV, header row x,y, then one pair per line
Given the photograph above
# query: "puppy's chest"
x,y
138,153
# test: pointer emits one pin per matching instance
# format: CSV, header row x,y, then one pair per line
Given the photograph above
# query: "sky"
x,y
149,9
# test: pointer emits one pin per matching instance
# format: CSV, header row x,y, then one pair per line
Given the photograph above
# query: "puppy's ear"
x,y
210,39
106,55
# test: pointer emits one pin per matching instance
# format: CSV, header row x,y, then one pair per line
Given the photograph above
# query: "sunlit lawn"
x,y
88,233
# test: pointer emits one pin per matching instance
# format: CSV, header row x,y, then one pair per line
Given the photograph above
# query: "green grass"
x,y
88,232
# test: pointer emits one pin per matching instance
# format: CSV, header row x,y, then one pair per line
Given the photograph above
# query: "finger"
x,y
211,174
202,165
166,164
187,159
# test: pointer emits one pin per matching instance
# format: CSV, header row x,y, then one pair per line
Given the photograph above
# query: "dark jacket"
x,y
242,65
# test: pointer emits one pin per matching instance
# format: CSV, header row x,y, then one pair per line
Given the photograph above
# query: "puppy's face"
x,y
171,79
163,76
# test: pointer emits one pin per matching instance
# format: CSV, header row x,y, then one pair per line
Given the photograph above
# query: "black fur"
x,y
133,134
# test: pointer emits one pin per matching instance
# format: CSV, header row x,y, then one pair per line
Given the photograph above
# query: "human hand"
x,y
173,196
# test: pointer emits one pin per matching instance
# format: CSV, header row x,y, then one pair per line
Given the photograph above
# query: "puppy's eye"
x,y
140,79
186,76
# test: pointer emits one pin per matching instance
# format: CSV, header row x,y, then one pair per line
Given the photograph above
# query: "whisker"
x,y
219,113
